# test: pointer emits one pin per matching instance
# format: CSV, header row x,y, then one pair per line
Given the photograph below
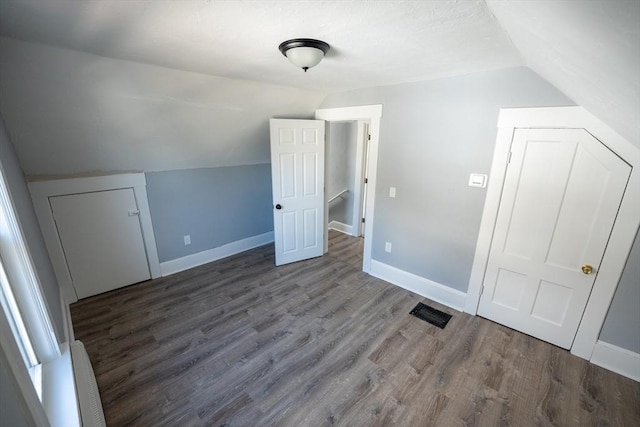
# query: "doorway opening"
x,y
346,176
359,158
346,179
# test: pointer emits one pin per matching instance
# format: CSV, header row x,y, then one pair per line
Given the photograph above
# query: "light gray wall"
x,y
341,151
214,206
433,135
31,230
72,112
622,325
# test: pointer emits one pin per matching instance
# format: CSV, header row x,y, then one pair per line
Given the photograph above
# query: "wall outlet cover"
x,y
478,180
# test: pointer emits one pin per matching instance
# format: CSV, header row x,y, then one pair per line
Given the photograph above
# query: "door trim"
x,y
372,114
42,190
622,234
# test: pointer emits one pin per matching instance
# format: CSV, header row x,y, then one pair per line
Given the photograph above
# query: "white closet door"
x,y
560,200
102,240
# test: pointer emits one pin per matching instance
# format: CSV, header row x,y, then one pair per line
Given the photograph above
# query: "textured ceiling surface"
x,y
588,49
374,43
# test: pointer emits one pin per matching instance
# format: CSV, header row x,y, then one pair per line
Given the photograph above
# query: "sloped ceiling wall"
x,y
149,85
71,112
590,50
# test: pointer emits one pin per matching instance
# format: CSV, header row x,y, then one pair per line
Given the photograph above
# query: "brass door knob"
x,y
587,269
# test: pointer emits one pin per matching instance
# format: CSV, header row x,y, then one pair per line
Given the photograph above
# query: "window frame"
x,y
24,284
23,279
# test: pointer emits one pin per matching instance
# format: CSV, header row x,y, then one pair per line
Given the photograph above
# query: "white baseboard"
x,y
210,255
341,227
427,288
617,359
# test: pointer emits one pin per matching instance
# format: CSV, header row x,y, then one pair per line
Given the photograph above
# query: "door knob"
x,y
587,269
278,206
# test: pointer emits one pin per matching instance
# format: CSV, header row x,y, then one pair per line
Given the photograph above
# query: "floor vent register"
x,y
431,315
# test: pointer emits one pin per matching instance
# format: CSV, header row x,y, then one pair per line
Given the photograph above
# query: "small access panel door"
x,y
102,240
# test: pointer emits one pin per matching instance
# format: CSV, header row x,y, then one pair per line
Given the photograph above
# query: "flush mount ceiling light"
x,y
304,53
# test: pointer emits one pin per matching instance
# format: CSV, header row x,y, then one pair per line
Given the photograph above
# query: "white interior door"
x,y
561,195
297,169
102,240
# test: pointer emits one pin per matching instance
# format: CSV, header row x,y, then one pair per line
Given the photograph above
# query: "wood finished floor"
x,y
241,342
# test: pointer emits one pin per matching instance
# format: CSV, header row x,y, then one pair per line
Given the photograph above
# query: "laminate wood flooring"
x,y
241,342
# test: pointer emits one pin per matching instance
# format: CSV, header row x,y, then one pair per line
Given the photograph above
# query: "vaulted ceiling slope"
x,y
589,49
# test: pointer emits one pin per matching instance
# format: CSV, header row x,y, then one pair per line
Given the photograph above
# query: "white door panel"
x,y
102,240
560,198
297,167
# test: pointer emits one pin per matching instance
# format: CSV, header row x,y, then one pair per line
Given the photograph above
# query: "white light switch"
x,y
392,191
387,246
477,180
187,239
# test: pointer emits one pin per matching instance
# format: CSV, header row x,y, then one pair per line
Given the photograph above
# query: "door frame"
x,y
42,190
360,175
371,114
622,234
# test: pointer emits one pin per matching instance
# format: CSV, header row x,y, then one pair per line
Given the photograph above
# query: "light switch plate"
x,y
392,191
478,180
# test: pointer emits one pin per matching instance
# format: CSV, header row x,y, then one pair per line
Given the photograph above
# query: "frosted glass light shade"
x,y
304,53
305,57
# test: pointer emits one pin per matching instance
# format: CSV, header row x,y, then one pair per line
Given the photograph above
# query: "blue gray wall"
x,y
622,325
433,135
31,229
215,206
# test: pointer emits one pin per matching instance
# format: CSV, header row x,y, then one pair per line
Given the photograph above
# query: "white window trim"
x,y
26,288
11,358
10,305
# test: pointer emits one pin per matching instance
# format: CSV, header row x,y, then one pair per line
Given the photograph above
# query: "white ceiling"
x,y
373,43
589,49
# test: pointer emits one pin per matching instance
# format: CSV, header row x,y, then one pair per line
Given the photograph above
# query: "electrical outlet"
x,y
187,239
387,247
392,191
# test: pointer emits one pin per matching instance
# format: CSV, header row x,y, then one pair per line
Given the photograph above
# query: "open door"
x,y
297,176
